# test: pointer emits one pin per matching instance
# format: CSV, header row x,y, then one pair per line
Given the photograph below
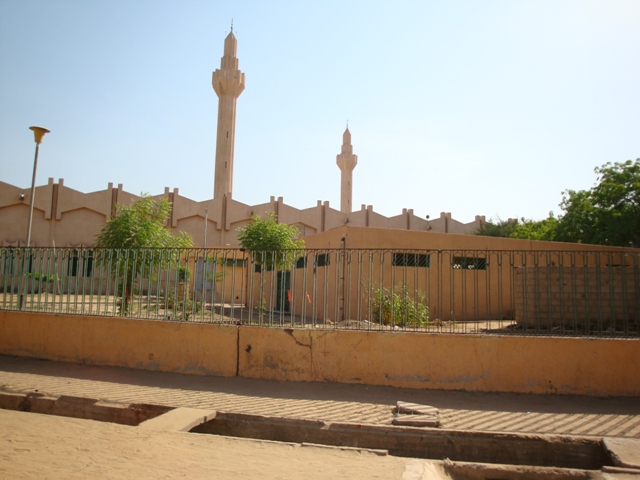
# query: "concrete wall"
x,y
148,345
600,367
449,362
586,295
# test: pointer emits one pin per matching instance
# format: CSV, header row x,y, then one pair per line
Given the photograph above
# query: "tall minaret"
x,y
347,161
228,83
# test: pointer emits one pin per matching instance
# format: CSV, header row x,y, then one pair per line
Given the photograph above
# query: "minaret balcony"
x,y
347,161
228,82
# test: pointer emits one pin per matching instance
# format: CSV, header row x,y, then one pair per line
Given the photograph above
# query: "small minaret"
x,y
228,83
347,161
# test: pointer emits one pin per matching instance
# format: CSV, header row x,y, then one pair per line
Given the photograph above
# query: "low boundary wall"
x,y
576,366
144,344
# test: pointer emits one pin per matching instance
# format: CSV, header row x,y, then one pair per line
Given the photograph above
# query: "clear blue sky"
x,y
473,107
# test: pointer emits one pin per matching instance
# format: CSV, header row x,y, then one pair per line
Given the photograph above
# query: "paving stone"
x,y
180,419
415,408
625,452
417,420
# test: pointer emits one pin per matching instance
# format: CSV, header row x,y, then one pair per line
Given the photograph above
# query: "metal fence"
x,y
577,293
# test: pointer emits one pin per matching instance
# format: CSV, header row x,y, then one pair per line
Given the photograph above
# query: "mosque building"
x,y
65,217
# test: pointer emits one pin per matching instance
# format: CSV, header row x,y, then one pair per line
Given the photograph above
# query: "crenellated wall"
x,y
66,217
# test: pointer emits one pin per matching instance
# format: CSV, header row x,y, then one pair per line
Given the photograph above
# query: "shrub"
x,y
398,307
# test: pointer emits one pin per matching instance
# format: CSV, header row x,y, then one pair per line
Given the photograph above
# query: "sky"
x,y
471,107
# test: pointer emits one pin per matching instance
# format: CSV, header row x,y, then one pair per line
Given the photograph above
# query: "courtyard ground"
x,y
33,445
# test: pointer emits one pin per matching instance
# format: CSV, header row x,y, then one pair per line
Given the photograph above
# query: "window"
x,y
80,263
322,259
469,263
411,260
301,262
258,268
232,262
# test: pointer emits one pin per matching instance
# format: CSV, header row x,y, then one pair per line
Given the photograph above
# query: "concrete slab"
x,y
416,421
620,472
415,408
375,451
620,476
423,470
180,419
625,452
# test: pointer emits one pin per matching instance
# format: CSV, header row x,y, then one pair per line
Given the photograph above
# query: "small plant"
x,y
182,308
42,277
399,308
183,273
262,306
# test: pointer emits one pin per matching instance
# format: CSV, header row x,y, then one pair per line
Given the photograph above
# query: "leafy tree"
x,y
536,229
497,228
270,243
134,229
608,213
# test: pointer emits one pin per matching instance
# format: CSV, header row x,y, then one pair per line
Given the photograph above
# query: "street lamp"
x,y
38,135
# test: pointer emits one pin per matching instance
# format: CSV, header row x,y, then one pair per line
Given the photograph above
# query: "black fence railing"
x,y
577,293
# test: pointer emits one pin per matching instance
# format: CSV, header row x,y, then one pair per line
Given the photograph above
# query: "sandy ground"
x,y
48,447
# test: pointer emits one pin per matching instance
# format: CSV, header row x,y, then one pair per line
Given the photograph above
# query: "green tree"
x,y
270,243
137,231
608,213
497,228
536,229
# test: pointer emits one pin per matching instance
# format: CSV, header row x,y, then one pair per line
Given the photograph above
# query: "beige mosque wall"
x,y
77,228
13,223
68,217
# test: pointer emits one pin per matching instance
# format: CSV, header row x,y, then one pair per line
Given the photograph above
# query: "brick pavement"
x,y
515,413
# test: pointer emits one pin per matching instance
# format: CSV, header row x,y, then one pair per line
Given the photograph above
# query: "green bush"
x,y
42,277
183,273
182,308
399,308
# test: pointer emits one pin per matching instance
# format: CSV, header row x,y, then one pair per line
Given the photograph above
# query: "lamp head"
x,y
38,133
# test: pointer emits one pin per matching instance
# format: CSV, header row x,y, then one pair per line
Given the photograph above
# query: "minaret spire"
x,y
346,161
228,83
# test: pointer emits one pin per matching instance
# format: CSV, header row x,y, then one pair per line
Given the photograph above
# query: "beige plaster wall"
x,y
13,224
78,227
449,362
149,345
356,237
54,201
459,294
573,366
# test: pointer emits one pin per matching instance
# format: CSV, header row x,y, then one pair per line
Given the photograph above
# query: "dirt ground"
x,y
48,447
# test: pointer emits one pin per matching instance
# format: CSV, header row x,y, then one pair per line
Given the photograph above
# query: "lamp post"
x,y
38,135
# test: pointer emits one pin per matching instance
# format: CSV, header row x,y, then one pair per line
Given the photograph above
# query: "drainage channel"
x,y
82,407
466,454
428,443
